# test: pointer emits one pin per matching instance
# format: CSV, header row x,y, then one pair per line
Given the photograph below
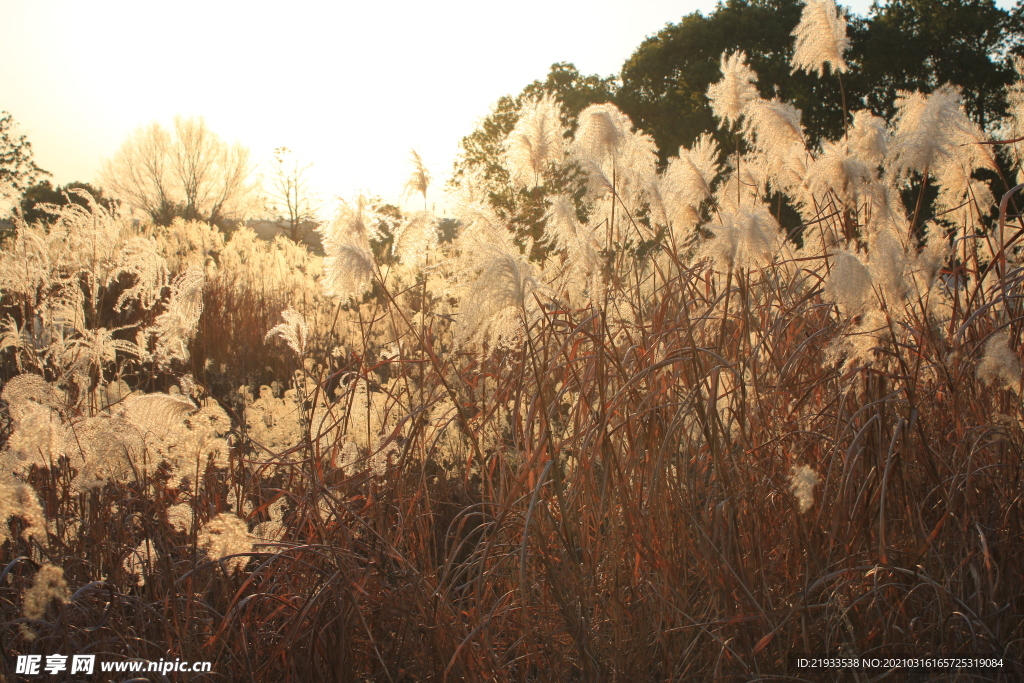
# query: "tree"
x,y
481,160
45,193
290,199
903,45
191,174
665,82
481,149
922,44
17,167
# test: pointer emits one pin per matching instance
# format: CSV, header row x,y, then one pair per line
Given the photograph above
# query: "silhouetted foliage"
x,y
46,193
903,45
16,164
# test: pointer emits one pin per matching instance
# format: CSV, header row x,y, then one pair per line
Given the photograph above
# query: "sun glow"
x,y
350,86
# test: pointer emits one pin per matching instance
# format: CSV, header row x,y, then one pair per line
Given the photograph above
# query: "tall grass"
x,y
685,446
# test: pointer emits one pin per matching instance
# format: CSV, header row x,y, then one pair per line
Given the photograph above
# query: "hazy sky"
x,y
350,86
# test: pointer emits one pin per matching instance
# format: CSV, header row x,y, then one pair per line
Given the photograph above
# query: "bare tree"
x,y
289,197
191,173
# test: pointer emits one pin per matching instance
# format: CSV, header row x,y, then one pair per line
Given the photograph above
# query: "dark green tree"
x,y
921,44
481,155
16,164
665,82
903,45
45,193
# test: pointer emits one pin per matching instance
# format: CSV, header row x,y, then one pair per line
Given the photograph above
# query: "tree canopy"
x,y
482,154
17,166
46,193
913,45
922,44
902,45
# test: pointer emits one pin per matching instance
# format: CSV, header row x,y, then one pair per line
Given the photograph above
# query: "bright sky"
x,y
351,86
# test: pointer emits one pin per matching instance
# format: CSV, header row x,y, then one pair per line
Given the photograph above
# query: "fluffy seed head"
x,y
747,238
869,140
294,330
934,134
614,157
415,239
849,283
820,38
731,95
348,263
802,482
774,128
48,585
18,499
686,182
176,326
1000,364
224,535
537,141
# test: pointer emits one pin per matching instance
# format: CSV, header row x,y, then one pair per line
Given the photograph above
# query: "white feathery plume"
x,y
415,240
478,221
924,267
536,142
885,208
888,266
820,38
48,585
933,132
348,260
868,138
1000,364
603,131
577,240
225,535
745,187
419,181
774,128
27,388
614,157
106,447
156,414
849,283
563,227
181,517
746,238
731,95
274,423
837,170
686,183
176,326
294,330
140,258
497,291
18,499
802,482
175,432
38,438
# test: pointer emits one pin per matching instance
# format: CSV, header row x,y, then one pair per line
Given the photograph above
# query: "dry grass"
x,y
618,506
